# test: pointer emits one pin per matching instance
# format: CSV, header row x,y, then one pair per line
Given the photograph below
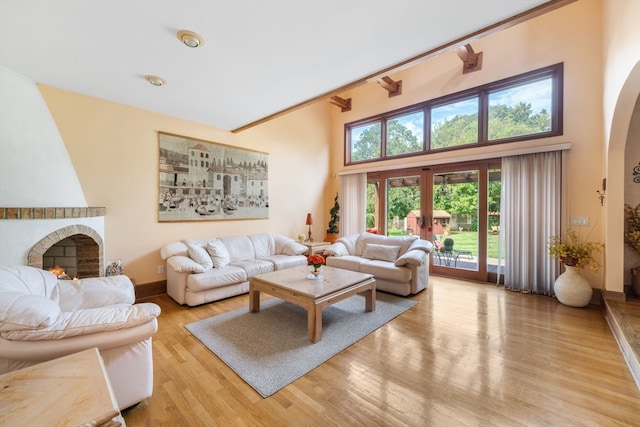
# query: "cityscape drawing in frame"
x,y
201,180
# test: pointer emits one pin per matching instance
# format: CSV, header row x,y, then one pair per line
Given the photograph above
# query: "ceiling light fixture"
x,y
190,39
155,80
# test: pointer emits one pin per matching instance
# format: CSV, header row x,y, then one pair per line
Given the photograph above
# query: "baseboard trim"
x,y
614,296
622,330
147,290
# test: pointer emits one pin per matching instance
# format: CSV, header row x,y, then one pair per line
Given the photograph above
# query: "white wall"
x,y
35,168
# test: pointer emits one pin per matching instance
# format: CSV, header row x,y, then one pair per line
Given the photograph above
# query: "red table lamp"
x,y
309,222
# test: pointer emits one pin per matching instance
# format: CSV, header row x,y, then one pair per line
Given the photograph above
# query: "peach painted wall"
x,y
621,45
114,149
571,35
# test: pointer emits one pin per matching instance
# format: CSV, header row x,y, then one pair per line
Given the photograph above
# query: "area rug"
x,y
270,349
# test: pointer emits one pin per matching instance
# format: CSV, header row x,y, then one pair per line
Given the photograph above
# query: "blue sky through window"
x,y
538,94
446,112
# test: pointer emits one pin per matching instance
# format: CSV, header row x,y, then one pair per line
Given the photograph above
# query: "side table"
x,y
71,391
316,247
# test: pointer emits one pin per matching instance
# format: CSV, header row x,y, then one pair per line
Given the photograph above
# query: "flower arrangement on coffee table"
x,y
316,261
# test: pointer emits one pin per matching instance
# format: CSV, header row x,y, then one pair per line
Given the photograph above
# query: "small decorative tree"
x,y
632,238
632,233
334,229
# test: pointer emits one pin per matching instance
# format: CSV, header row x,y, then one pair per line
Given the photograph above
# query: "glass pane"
x,y
373,205
495,259
405,134
366,142
455,124
455,219
520,110
403,205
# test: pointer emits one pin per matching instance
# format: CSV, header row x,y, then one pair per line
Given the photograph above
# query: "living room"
x,y
113,148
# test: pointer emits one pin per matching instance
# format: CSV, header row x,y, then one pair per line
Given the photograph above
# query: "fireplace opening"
x,y
73,257
77,249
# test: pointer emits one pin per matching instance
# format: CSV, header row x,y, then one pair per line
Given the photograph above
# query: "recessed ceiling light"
x,y
189,38
155,80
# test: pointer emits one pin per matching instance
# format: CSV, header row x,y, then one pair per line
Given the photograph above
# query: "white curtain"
x,y
530,215
353,203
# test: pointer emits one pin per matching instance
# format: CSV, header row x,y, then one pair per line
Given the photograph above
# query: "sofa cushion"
x,y
239,247
381,252
350,242
200,255
403,241
90,321
385,270
218,252
263,245
280,262
95,292
216,278
29,280
254,267
348,262
20,311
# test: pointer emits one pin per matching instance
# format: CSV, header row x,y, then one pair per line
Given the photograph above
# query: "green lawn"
x,y
466,241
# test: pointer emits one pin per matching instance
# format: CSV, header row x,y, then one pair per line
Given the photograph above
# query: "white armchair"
x,y
43,318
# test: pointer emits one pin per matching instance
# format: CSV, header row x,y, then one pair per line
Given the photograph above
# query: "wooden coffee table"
x,y
314,296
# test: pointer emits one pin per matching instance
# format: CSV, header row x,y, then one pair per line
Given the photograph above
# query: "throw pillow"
x,y
337,249
294,248
381,252
200,255
219,253
22,311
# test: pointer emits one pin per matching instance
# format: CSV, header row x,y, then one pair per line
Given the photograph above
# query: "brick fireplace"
x,y
77,249
71,238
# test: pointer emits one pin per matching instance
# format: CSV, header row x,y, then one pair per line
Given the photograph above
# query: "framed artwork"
x,y
205,181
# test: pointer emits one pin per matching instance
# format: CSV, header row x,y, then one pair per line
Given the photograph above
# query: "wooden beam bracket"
x,y
344,104
471,61
394,88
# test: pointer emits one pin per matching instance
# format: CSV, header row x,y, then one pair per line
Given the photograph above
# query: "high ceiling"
x,y
259,57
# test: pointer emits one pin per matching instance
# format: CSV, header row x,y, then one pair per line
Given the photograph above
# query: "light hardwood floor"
x,y
467,354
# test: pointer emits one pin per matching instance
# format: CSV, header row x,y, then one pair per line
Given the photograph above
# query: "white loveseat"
x,y
400,264
209,269
43,318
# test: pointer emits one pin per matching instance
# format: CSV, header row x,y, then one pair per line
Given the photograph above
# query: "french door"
x,y
455,206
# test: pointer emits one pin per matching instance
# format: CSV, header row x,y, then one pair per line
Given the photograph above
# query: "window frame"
x,y
555,72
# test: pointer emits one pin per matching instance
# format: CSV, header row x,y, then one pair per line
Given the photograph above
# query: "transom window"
x,y
523,107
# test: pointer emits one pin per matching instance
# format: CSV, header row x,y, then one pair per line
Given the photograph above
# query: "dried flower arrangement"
x,y
573,251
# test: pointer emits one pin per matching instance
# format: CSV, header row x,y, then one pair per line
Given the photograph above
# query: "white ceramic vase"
x,y
572,289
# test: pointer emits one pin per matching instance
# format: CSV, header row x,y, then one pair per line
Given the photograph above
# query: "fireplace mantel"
x,y
50,213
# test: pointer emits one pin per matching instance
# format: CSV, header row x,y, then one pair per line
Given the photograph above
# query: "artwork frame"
x,y
202,180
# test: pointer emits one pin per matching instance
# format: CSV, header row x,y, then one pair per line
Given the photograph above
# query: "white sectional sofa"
x,y
43,318
209,269
400,265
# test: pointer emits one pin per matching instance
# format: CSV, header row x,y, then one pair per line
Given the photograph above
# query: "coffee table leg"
x,y
370,302
314,323
254,301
